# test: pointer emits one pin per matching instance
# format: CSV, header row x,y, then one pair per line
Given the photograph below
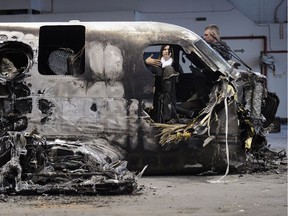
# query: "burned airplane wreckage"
x,y
79,108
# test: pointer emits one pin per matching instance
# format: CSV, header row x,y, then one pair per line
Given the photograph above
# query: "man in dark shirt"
x,y
212,37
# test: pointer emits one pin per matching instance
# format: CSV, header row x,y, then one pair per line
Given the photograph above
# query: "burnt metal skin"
x,y
103,89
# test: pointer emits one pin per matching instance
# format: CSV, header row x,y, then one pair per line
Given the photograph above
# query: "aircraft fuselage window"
x,y
62,50
190,87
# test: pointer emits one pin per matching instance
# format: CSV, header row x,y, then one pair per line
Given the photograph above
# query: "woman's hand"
x,y
152,61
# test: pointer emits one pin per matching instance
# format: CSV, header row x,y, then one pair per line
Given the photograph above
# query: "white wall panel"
x,y
277,81
14,4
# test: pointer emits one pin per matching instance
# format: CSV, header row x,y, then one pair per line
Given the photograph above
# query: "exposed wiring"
x,y
220,180
229,51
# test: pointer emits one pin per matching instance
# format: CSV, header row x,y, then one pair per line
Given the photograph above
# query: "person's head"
x,y
211,32
166,51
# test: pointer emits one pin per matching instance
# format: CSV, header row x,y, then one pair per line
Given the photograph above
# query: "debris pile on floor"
x,y
34,165
265,160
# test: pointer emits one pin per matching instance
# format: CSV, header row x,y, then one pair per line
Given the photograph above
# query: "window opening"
x,y
188,91
62,50
15,58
